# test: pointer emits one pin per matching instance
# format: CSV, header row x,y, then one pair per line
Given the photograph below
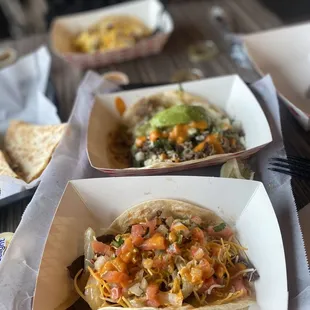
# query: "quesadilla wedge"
x,y
176,126
30,147
5,168
166,254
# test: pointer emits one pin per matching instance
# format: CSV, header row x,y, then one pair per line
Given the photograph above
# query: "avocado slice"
x,y
178,114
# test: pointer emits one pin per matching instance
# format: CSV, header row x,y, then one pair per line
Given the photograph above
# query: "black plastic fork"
x,y
292,165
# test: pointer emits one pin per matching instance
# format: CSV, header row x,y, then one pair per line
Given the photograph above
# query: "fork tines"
x,y
292,165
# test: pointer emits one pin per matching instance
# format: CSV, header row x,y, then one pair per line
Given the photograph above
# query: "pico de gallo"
x,y
168,262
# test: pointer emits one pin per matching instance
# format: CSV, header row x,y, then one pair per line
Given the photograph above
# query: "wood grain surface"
x,y
192,24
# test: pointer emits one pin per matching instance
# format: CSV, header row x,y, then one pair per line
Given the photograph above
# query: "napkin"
x,y
22,87
21,262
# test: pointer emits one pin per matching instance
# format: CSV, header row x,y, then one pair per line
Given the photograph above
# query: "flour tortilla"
x,y
30,147
5,168
177,209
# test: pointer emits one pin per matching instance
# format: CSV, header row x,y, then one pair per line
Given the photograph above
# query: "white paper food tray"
x,y
284,53
65,28
229,93
97,202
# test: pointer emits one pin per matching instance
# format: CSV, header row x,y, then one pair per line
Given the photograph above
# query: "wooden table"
x,y
192,24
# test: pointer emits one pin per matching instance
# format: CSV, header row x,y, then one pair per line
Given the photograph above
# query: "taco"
x,y
31,146
166,254
176,126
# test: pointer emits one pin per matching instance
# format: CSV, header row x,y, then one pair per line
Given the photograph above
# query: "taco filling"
x,y
177,127
169,261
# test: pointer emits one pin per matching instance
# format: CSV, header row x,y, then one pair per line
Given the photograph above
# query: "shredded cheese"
x,y
101,281
126,301
230,297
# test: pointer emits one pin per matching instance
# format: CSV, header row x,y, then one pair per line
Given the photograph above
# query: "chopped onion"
x,y
137,303
169,220
179,262
162,229
143,284
187,288
241,272
100,261
209,291
147,263
139,275
136,290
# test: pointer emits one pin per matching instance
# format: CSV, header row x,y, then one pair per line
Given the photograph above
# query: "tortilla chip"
x,y
5,168
30,147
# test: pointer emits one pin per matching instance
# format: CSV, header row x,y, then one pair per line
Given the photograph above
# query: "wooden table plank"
x,y
192,24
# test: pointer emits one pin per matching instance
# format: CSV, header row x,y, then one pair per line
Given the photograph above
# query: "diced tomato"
x,y
116,277
162,261
137,230
151,225
206,285
137,233
238,284
152,295
118,251
196,219
206,267
174,249
137,240
101,248
156,242
116,293
224,233
198,235
197,252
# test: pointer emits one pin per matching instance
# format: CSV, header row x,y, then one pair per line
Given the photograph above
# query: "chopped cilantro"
x,y
167,145
219,227
117,242
158,143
